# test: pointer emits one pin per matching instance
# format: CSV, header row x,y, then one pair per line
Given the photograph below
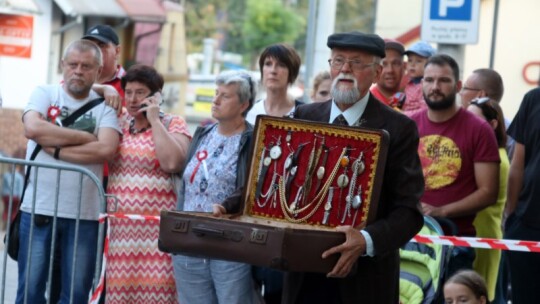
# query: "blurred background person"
x,y
387,88
216,186
322,84
465,286
488,221
12,186
279,65
152,150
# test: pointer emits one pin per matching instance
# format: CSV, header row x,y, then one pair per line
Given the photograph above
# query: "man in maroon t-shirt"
x,y
458,151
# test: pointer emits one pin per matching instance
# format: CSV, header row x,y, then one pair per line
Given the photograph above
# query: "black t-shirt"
x,y
525,129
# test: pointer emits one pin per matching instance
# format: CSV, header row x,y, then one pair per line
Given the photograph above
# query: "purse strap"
x,y
65,122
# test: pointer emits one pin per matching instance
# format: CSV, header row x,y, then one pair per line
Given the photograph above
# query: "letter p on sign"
x,y
445,4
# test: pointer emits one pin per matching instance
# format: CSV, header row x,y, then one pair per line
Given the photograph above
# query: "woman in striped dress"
x,y
152,149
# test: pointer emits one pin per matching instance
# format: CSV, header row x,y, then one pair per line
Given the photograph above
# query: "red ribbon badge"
x,y
201,156
52,113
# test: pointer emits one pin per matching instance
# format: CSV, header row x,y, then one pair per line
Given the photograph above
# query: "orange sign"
x,y
16,35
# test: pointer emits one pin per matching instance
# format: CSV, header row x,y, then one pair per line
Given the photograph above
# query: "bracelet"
x,y
57,153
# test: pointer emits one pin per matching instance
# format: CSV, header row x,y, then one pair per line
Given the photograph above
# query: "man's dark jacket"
x,y
398,218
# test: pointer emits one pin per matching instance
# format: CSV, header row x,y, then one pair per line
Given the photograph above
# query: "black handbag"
x,y
13,241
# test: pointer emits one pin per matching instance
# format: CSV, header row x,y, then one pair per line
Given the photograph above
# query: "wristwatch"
x,y
56,153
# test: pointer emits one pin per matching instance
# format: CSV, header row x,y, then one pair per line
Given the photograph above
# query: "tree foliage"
x,y
269,22
247,26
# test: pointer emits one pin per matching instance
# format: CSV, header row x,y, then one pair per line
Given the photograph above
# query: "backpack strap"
x,y
80,111
65,122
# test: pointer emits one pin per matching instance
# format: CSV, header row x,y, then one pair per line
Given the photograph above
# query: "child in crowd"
x,y
465,286
417,56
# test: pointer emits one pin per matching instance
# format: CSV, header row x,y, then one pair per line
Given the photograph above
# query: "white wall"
x,y
516,45
18,76
397,17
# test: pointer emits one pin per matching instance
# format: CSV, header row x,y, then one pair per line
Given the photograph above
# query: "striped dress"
x,y
137,272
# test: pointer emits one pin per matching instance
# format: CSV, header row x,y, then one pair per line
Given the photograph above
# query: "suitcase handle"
x,y
233,235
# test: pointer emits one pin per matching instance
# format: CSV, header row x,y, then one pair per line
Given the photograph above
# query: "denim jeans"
x,y
205,281
38,269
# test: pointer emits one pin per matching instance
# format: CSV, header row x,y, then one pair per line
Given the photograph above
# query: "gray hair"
x,y
246,86
83,45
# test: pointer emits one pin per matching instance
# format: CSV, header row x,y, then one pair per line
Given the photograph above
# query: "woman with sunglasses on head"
x,y
153,147
213,176
488,221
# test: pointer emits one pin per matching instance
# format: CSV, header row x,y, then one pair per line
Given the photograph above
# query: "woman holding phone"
x,y
153,147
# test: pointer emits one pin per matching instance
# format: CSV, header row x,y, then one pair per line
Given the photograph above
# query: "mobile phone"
x,y
144,105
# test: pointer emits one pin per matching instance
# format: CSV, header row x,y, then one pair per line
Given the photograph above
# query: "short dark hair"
x,y
144,74
442,60
491,82
285,54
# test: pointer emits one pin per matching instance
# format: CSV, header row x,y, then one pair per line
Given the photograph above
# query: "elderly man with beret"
x,y
368,268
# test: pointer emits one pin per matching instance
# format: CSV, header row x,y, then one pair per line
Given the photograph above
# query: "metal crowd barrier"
x,y
11,164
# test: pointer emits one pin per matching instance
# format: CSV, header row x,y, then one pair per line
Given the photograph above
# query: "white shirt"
x,y
352,115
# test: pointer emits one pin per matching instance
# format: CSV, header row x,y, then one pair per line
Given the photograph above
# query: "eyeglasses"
x,y
355,65
469,89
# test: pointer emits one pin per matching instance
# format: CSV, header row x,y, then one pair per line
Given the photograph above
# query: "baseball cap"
x,y
394,45
370,43
421,48
103,33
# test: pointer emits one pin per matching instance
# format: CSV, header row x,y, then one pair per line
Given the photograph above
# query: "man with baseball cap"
x,y
368,267
107,40
387,88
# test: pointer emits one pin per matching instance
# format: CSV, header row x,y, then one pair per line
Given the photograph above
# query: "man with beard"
x,y
393,68
459,154
368,268
88,142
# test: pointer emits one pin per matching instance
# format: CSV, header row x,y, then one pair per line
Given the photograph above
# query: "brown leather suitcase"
x,y
279,230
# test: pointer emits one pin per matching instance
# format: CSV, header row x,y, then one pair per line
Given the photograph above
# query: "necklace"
x,y
317,200
274,155
134,131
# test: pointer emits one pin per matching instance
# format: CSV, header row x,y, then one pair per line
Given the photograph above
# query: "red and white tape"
x,y
512,245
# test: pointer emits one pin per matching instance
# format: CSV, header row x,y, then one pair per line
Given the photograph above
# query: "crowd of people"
x,y
449,156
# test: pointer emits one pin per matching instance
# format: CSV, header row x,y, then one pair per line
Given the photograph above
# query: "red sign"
x,y
16,35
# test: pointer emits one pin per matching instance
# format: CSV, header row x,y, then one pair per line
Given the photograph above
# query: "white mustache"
x,y
342,76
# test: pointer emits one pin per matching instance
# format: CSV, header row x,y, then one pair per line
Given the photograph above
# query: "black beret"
x,y
370,43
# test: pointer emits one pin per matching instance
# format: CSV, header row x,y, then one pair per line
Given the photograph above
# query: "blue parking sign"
x,y
450,21
458,10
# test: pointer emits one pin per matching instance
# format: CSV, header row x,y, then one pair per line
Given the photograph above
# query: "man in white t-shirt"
x,y
88,142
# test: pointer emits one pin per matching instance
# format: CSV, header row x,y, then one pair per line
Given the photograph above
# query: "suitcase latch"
x,y
258,236
181,226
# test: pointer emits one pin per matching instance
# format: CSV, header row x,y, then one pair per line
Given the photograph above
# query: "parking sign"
x,y
451,21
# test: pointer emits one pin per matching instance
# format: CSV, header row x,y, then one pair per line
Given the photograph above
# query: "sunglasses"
x,y
480,100
487,109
